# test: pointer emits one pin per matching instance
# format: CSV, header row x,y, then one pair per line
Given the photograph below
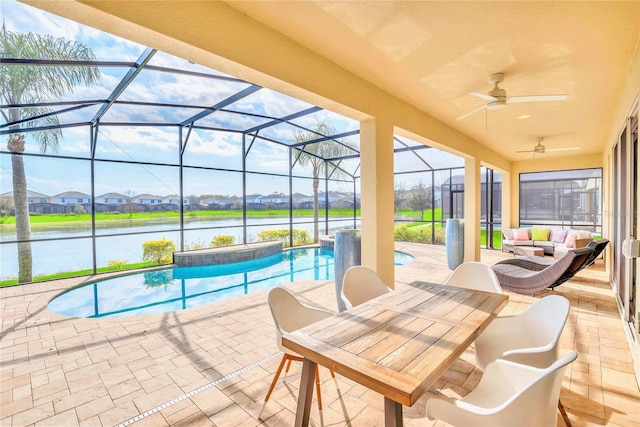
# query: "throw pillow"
x,y
558,235
570,242
583,234
508,234
539,234
521,234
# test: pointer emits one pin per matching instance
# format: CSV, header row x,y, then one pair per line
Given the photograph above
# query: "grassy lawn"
x,y
65,275
222,214
428,215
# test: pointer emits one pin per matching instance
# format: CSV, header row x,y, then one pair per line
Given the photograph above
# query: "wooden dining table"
x,y
397,344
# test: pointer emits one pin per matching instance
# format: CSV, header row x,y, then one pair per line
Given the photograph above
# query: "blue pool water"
x,y
179,288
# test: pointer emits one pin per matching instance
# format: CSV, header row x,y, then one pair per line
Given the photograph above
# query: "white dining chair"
x,y
475,275
360,284
531,337
508,394
289,314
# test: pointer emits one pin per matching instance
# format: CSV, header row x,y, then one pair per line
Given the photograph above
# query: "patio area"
x,y
212,365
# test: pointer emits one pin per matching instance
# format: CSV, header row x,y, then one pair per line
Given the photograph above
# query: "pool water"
x,y
179,288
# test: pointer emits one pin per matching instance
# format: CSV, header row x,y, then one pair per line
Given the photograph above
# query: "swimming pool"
x,y
179,288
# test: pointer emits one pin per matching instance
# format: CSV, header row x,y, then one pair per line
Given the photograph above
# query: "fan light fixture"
x,y
496,105
497,97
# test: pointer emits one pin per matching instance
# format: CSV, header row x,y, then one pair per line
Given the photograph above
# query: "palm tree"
x,y
29,84
314,154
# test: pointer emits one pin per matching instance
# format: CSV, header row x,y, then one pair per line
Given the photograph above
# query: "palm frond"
x,y
315,153
24,83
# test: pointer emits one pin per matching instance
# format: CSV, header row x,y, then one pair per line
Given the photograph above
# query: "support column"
x,y
472,203
376,191
505,215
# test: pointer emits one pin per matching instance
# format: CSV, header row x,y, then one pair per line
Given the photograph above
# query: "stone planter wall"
x,y
327,242
226,254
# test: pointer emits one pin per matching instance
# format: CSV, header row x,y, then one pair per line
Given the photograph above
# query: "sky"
x,y
161,144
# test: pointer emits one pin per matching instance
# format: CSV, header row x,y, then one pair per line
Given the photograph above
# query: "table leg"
x,y
305,395
392,413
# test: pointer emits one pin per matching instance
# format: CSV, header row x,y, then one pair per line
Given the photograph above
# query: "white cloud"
x,y
23,18
217,143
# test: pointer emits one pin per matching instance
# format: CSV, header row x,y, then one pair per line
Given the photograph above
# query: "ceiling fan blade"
x,y
536,98
563,149
483,96
525,151
482,107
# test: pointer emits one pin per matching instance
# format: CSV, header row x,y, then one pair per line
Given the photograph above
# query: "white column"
x,y
376,190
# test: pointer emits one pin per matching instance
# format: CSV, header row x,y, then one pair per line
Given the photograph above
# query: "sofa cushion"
x,y
539,234
558,235
518,242
521,234
570,241
507,233
543,243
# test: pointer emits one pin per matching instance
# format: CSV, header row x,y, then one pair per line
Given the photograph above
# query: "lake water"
x,y
114,241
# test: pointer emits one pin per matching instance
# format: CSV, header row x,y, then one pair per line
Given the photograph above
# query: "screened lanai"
x,y
152,146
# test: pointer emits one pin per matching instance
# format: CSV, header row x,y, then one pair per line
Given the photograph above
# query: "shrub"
x,y
222,240
194,245
404,233
117,264
300,237
159,251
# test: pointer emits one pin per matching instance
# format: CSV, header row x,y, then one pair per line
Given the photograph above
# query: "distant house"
x,y
112,202
70,199
32,196
38,203
275,201
298,199
113,199
174,199
219,203
172,202
344,203
148,203
322,202
147,199
254,202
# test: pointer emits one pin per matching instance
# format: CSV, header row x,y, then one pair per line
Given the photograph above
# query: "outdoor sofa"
x,y
553,241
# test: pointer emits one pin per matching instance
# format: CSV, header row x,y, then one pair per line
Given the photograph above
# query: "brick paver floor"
x,y
212,365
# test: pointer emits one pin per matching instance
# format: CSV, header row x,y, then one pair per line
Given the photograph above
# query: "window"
x,y
570,198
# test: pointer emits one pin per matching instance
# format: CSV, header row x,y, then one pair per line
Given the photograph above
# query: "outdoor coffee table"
x,y
528,250
398,344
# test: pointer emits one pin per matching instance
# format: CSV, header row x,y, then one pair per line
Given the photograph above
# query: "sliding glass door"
x,y
625,226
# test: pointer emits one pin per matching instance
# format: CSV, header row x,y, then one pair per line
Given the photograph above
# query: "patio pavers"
x,y
212,365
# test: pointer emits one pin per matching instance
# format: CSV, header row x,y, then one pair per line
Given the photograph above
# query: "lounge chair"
x,y
538,263
598,247
527,277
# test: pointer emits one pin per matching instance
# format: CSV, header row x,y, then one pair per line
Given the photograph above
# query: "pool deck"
x,y
212,365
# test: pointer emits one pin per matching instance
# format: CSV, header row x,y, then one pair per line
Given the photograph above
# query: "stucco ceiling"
x,y
432,54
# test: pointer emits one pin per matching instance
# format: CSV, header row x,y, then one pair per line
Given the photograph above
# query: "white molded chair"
x,y
530,337
509,394
475,275
360,284
289,314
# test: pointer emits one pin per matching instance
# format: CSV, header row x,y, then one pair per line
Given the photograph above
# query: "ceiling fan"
x,y
541,149
497,97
